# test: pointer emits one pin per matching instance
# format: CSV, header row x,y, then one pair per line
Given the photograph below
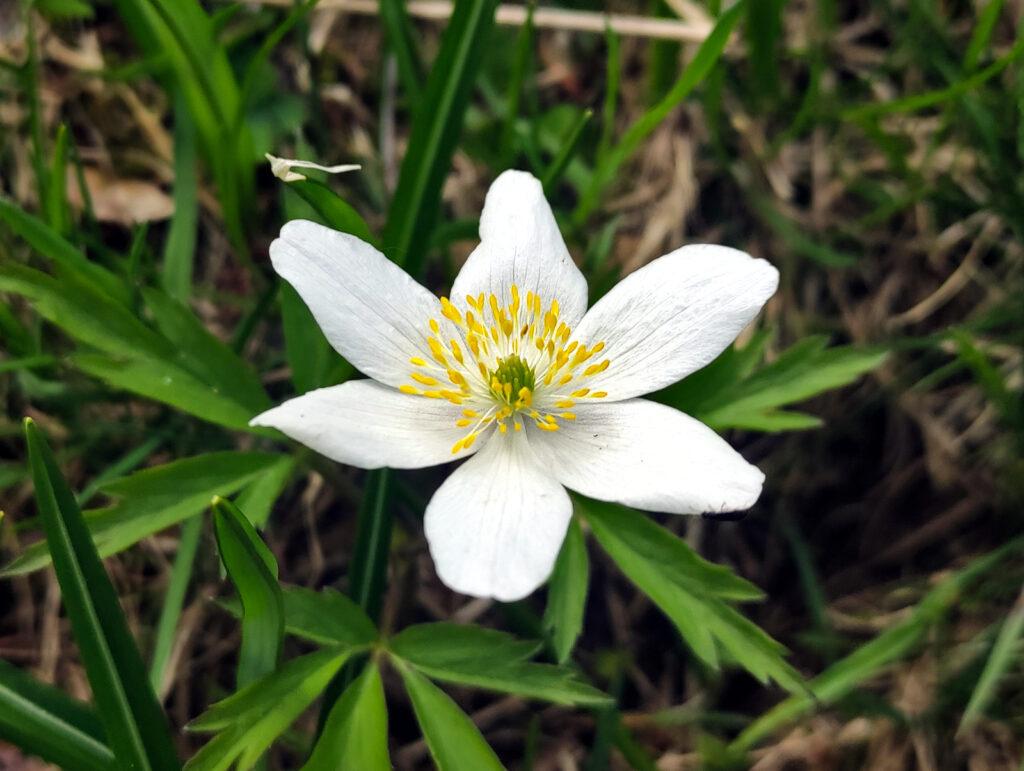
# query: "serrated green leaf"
x,y
327,617
486,658
454,742
133,721
253,570
155,498
567,593
252,718
46,722
690,591
355,736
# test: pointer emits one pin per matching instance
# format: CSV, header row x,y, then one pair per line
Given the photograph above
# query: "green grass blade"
x,y
180,246
454,742
522,61
401,39
334,211
253,570
567,593
174,600
56,204
867,660
66,258
1005,655
556,168
373,541
47,723
135,726
608,166
435,133
155,498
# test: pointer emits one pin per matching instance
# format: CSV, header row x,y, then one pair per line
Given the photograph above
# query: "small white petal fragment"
x,y
368,425
496,524
520,244
282,168
650,456
370,310
674,316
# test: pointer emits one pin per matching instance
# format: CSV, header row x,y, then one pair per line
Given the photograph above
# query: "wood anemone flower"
x,y
515,374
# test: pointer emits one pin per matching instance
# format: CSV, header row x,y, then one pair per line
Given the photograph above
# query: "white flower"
x,y
282,168
515,372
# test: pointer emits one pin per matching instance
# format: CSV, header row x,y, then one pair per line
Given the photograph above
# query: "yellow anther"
x,y
433,394
408,389
425,379
434,326
468,441
456,377
502,427
554,307
565,378
437,350
598,348
593,369
450,312
470,413
550,418
565,403
580,392
418,361
456,351
517,425
457,446
547,426
598,394
568,416
463,422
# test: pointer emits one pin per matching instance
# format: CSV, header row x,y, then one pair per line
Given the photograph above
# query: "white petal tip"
x,y
282,168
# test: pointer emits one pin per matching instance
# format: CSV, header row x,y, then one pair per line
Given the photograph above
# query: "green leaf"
x,y
401,40
486,658
454,742
56,202
567,593
66,258
258,497
310,356
250,720
326,617
689,590
212,361
156,498
180,246
1004,656
83,311
44,721
253,570
174,600
332,208
435,133
64,9
608,166
869,659
135,725
355,737
726,395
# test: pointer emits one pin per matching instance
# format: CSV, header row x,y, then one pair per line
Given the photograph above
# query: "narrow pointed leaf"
x,y
253,570
355,737
567,593
135,725
454,742
44,721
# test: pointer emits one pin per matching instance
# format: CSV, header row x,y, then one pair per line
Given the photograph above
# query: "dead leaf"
x,y
124,201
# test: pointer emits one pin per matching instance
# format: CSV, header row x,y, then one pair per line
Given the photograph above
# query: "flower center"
x,y
505,364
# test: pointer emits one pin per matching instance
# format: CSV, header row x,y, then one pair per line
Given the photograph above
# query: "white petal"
x,y
650,456
674,316
368,425
520,244
372,311
496,524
